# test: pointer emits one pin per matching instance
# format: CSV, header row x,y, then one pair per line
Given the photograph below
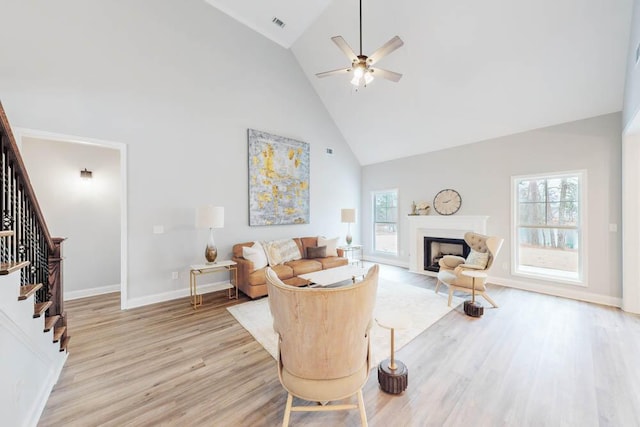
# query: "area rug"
x,y
423,306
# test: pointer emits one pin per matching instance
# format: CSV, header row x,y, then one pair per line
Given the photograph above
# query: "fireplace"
x,y
441,227
437,247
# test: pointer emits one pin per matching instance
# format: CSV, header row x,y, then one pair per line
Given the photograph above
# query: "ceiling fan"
x,y
362,65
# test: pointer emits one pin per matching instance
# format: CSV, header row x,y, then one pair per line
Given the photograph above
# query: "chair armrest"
x,y
451,261
245,267
462,267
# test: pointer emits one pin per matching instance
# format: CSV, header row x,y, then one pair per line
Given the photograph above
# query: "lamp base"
x,y
348,239
211,253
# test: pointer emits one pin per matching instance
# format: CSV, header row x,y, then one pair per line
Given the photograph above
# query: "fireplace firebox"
x,y
435,248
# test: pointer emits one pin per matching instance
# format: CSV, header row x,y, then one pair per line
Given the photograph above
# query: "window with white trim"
x,y
385,221
548,235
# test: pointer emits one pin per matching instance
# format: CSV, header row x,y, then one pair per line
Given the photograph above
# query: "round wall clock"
x,y
447,202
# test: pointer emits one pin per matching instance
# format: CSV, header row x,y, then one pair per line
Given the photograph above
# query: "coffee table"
x,y
333,277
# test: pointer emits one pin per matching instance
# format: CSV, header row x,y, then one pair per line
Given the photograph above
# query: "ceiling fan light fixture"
x,y
368,77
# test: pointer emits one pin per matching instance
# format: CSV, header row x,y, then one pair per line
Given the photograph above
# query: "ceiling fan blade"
x,y
385,74
338,40
333,72
385,50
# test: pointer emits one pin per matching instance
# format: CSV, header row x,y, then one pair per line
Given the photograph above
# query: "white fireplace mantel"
x,y
453,227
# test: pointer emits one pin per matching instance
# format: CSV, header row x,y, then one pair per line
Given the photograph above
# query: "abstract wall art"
x,y
278,180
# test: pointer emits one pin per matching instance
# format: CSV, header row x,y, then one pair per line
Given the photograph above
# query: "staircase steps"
x,y
10,267
50,322
40,308
6,233
58,332
28,290
65,343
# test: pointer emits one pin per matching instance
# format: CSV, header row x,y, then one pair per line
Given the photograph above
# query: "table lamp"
x,y
349,216
210,217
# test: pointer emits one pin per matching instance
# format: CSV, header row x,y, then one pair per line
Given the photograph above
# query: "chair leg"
x,y
363,413
437,285
287,411
450,295
488,298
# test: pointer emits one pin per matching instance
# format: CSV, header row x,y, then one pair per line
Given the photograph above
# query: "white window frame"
x,y
581,280
373,220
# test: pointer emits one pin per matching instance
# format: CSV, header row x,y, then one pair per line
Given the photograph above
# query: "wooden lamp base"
x,y
393,381
473,308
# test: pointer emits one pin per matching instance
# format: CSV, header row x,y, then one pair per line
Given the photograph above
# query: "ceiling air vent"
x,y
278,22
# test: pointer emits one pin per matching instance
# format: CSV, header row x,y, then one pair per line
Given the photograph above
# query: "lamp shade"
x,y
208,216
349,215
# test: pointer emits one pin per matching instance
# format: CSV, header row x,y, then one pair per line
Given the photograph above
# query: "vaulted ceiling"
x,y
472,70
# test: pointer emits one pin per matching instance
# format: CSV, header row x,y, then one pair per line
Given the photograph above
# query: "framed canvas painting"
x,y
278,180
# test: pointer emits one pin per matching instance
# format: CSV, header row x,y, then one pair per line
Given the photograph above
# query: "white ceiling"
x,y
472,70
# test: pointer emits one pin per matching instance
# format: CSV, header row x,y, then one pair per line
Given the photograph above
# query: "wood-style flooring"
x,y
537,360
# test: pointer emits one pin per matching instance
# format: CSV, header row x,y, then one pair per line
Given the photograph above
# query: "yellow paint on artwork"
x,y
291,153
290,211
255,160
304,185
296,162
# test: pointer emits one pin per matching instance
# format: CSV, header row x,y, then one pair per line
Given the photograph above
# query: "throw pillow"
x,y
331,245
479,259
256,255
281,251
316,251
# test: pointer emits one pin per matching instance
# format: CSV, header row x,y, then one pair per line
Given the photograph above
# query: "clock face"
x,y
447,202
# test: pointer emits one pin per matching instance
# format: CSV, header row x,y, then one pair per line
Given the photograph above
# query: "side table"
x,y
353,253
200,269
393,375
473,308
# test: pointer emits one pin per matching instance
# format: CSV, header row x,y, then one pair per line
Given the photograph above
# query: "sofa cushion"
x,y
256,255
316,252
258,277
307,242
331,245
304,266
281,251
332,261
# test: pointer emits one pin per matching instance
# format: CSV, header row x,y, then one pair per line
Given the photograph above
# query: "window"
x,y
385,221
547,226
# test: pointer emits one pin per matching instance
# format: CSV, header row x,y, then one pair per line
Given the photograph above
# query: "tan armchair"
x,y
324,351
451,266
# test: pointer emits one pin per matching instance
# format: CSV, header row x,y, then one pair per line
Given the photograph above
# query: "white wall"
x,y
482,173
86,212
179,83
632,83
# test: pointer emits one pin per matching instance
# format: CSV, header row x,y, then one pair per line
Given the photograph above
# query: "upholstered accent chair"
x,y
324,351
483,248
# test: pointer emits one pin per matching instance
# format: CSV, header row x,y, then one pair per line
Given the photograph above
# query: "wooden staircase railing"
x,y
25,241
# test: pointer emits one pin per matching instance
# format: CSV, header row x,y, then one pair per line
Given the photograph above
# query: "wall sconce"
x,y
86,174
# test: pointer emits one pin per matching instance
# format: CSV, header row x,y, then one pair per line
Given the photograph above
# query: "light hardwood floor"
x,y
535,361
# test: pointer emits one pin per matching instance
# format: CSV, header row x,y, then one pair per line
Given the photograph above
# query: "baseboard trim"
x,y
558,292
84,293
178,293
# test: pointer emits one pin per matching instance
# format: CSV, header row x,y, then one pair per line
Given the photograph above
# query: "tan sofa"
x,y
254,283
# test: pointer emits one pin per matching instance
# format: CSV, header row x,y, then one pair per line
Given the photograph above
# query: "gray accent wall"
x,y
482,173
179,83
